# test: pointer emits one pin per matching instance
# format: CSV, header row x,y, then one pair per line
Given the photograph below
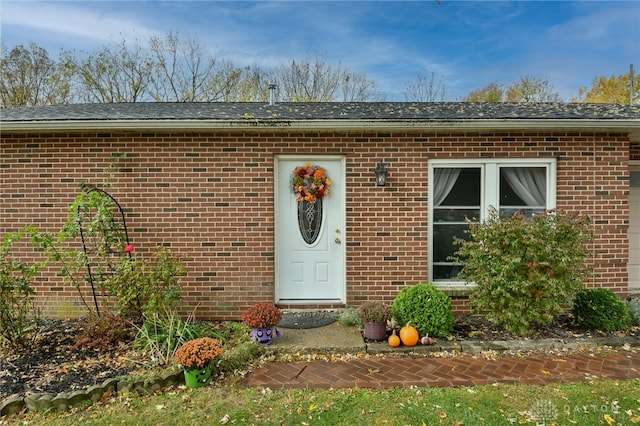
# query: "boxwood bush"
x,y
600,309
426,308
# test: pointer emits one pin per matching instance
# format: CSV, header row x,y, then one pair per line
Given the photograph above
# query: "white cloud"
x,y
79,23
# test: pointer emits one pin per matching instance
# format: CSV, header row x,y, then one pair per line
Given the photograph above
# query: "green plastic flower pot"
x,y
197,377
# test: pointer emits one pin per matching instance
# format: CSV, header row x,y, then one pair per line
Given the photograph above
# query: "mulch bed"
x,y
53,365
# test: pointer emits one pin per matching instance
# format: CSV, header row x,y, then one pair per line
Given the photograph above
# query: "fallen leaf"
x,y
546,372
609,419
225,419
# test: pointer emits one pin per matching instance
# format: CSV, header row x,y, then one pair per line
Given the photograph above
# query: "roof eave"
x,y
318,125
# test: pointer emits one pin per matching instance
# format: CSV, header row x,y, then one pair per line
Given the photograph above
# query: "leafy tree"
x,y
29,77
169,69
315,80
527,89
120,74
531,89
492,92
184,73
357,87
425,88
612,90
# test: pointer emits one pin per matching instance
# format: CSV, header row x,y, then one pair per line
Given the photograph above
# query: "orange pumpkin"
x,y
394,340
409,335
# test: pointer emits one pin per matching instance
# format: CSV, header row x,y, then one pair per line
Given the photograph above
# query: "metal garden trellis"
x,y
92,249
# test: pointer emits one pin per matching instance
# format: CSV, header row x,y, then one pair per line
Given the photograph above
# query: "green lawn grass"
x,y
599,402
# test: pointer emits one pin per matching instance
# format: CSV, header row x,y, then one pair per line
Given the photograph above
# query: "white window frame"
x,y
489,191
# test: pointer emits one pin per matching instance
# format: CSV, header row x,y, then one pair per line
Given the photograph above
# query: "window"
x,y
461,190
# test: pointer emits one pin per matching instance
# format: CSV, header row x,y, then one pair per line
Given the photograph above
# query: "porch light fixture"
x,y
381,174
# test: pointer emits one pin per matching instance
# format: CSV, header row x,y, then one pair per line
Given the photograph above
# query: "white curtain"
x,y
444,180
529,183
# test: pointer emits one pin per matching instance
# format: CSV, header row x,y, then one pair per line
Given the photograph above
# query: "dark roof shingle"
x,y
383,111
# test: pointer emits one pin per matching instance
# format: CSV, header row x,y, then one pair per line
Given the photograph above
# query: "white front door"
x,y
634,231
310,253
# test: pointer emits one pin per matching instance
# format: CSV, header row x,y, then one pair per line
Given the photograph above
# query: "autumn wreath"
x,y
310,183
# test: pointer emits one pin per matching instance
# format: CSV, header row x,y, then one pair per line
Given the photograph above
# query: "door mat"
x,y
307,319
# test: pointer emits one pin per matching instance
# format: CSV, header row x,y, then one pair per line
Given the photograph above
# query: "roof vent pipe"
x,y
272,94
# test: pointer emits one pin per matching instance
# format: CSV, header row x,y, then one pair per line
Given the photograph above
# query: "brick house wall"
x,y
209,197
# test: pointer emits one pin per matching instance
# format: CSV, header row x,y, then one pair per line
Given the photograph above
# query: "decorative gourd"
x,y
426,340
394,340
409,335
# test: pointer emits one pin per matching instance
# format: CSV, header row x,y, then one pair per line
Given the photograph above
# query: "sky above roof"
x,y
465,44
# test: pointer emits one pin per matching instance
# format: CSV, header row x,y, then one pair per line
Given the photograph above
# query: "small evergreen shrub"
x,y
527,270
426,308
350,318
600,309
633,306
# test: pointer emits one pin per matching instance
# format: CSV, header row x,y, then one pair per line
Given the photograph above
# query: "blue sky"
x,y
467,44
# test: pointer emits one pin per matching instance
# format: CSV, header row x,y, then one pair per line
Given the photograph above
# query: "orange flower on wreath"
x,y
310,183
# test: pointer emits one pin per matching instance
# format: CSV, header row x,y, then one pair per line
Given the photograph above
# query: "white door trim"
x,y
305,158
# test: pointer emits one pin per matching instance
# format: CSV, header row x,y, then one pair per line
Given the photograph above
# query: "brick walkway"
x,y
441,372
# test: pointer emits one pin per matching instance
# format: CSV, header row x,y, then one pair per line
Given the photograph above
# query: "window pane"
x,y
443,239
466,191
454,215
449,216
448,272
523,186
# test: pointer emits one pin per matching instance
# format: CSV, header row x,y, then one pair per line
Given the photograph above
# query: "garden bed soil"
x,y
52,364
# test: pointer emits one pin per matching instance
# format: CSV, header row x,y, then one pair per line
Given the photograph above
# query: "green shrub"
x,y
16,293
525,271
238,357
426,308
138,286
633,306
142,287
600,309
350,318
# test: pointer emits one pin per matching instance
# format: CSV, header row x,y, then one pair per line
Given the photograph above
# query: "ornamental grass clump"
x,y
375,312
198,353
525,270
262,315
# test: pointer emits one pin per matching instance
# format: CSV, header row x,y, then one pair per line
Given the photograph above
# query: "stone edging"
x,y
64,401
477,346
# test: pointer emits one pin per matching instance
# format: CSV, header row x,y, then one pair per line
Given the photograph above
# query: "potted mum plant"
x,y
375,315
262,318
196,356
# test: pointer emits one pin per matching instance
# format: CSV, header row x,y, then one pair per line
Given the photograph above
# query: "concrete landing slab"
x,y
333,338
